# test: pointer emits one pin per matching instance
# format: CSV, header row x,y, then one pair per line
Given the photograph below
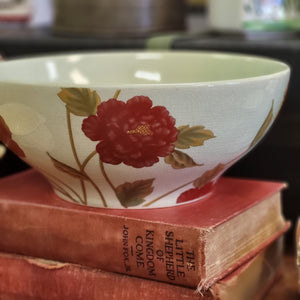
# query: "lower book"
x,y
25,278
193,244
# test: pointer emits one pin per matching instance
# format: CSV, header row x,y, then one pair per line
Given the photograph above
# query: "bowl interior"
x,y
98,69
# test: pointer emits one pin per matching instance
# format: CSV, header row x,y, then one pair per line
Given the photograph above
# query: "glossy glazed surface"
x,y
146,129
137,68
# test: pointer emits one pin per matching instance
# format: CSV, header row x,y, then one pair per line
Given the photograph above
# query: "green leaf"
x,y
192,136
80,101
133,193
180,160
262,130
66,169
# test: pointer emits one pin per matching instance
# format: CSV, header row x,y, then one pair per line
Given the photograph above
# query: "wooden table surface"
x,y
286,288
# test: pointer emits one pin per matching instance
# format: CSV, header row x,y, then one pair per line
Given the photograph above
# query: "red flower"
x,y
195,193
134,132
5,137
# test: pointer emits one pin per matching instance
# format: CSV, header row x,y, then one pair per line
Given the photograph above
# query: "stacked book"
x,y
226,246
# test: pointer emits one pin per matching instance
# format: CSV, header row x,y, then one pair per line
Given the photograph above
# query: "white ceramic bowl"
x,y
146,129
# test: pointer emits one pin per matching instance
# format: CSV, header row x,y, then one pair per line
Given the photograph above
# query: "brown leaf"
x,y
263,127
208,176
66,169
133,193
80,101
180,160
192,136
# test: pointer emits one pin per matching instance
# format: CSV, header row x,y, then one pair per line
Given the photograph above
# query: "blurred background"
x,y
263,27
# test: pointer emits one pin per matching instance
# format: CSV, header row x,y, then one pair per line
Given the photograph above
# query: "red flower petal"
x,y
6,138
195,193
88,126
134,132
139,103
110,106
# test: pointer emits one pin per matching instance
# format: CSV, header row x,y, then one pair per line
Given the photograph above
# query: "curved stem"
x,y
75,153
61,182
166,194
81,167
178,188
117,93
72,138
85,162
105,176
89,157
96,188
63,191
83,191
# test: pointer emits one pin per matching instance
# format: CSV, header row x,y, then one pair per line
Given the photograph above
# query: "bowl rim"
x,y
286,69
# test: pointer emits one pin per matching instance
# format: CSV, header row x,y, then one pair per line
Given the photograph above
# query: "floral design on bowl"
x,y
134,133
6,138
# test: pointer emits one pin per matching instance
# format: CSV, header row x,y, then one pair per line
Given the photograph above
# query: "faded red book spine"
x,y
28,278
24,277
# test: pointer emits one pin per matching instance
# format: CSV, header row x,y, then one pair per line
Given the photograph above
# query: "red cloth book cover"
x,y
193,244
23,277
